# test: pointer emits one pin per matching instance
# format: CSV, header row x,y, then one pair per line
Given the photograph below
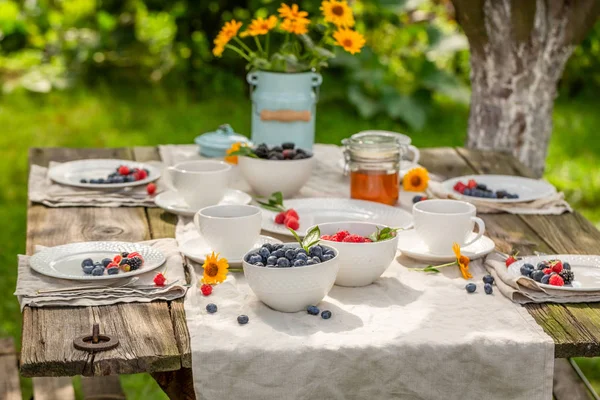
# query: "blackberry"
x,y
567,276
288,146
135,263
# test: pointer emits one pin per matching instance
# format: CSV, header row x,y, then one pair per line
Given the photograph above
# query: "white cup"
x,y
440,223
231,230
201,183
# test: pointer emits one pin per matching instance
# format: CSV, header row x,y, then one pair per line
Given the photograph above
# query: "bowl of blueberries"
x,y
288,278
283,168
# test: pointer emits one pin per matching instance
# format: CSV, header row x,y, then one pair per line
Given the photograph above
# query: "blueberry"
x,y
313,310
112,271
315,260
290,254
278,253
87,261
299,263
526,271
264,252
316,251
545,279
488,279
302,256
211,308
97,271
99,264
542,265
101,180
259,264
277,149
254,259
481,186
310,262
83,181
242,319
268,246
87,269
467,192
417,199
537,275
566,265
488,288
326,314
272,260
283,262
471,287
301,251
276,246
119,179
529,266
287,146
327,257
129,179
106,261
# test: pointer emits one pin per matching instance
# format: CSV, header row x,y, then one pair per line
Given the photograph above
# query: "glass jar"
x,y
373,161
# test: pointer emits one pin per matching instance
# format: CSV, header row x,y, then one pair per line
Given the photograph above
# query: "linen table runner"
x,y
43,190
29,282
524,290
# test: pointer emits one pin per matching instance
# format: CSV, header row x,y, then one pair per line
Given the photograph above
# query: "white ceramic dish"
x,y
585,267
411,245
268,176
196,248
172,202
70,173
65,261
292,289
360,263
527,189
315,211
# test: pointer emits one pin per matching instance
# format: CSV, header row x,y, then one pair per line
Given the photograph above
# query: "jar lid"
x,y
221,139
373,146
400,137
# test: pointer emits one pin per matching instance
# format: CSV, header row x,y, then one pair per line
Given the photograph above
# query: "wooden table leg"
x,y
178,385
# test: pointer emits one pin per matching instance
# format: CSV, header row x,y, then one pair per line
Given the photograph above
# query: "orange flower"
x,y
232,159
292,12
338,12
260,26
215,269
228,31
299,27
462,262
416,180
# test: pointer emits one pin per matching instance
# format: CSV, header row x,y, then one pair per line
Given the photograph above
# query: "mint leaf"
x,y
311,238
383,234
274,202
244,151
298,239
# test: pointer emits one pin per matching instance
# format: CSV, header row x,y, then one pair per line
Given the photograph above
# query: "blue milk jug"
x,y
284,107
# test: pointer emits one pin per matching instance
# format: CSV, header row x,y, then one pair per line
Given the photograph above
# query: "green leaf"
x,y
431,268
274,202
407,109
244,151
366,106
298,239
277,197
312,237
268,206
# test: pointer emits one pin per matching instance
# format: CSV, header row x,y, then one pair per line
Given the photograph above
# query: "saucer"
x,y
411,245
172,202
196,248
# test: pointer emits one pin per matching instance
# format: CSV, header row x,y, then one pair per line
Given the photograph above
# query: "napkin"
x,y
554,204
43,190
29,282
522,290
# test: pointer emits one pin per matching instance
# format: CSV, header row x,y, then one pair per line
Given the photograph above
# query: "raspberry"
x,y
159,279
339,237
124,170
460,187
206,289
117,259
112,265
510,260
280,218
354,239
135,254
547,271
327,237
556,280
292,213
367,240
292,223
140,174
472,184
557,267
151,188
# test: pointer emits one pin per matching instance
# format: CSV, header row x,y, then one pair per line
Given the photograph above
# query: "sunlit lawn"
x,y
104,117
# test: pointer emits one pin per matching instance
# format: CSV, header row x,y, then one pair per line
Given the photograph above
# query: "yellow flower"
x,y
292,12
232,159
350,40
416,180
260,26
462,262
299,27
228,31
215,269
338,12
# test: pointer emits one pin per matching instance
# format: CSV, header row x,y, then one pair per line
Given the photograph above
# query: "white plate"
x,y
527,189
196,248
405,166
65,261
411,245
314,211
586,269
70,173
172,202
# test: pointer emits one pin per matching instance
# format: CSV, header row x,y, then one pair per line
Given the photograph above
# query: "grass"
x,y
105,117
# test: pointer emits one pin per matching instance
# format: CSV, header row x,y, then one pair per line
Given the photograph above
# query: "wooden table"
x,y
154,337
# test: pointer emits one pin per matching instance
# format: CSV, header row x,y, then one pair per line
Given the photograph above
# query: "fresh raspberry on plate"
x,y
556,280
280,218
339,237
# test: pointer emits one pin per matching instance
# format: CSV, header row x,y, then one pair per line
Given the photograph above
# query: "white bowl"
x,y
291,289
360,263
268,176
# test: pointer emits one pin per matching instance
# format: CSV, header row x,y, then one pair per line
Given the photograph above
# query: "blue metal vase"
x,y
284,107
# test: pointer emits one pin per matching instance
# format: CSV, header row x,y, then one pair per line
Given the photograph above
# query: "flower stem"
x,y
267,45
243,45
240,52
258,44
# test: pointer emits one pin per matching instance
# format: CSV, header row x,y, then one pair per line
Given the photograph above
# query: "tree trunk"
x,y
519,49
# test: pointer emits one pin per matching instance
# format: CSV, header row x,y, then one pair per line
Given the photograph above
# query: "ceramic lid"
x,y
221,139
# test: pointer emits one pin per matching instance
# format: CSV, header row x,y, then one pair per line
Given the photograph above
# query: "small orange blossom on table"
x,y
461,261
416,180
215,269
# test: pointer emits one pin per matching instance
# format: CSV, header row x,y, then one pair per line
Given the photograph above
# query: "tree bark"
x,y
519,49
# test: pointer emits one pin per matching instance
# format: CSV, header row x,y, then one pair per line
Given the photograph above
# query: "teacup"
x,y
200,183
440,223
228,229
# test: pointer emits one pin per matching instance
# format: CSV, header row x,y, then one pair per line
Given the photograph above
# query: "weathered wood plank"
x,y
102,388
567,384
10,388
59,388
181,331
444,162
